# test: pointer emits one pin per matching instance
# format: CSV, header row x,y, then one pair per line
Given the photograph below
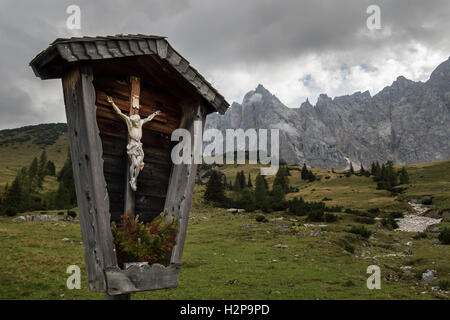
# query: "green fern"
x,y
139,242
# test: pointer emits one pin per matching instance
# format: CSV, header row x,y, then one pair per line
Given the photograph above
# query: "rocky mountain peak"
x,y
441,75
306,104
406,122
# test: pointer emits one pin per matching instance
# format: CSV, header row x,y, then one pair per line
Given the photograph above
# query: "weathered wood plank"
x,y
134,94
142,278
86,153
181,185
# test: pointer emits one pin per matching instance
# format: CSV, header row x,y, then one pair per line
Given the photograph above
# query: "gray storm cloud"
x,y
235,44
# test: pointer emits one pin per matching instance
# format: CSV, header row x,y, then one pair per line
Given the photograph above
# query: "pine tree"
x,y
66,195
33,169
261,193
304,172
404,176
13,201
242,180
51,169
281,180
225,182
237,184
373,169
249,183
215,191
352,171
362,171
383,173
42,168
391,175
378,173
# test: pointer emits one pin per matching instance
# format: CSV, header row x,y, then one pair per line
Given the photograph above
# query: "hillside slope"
x,y
19,146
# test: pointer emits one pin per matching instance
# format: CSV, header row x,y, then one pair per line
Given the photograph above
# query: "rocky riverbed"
x,y
416,222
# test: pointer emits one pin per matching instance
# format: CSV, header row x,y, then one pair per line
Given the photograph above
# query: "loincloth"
x,y
134,148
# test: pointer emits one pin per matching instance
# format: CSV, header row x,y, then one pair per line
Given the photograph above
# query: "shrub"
x,y
139,242
374,210
299,207
72,214
394,224
366,220
329,217
389,222
444,236
261,218
334,209
420,235
349,283
61,213
396,214
10,212
361,230
326,199
360,213
444,285
320,216
427,201
349,248
315,216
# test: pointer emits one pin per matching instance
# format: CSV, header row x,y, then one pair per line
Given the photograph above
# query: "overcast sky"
x,y
296,49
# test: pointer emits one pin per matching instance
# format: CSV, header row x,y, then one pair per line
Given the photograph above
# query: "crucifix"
x,y
134,147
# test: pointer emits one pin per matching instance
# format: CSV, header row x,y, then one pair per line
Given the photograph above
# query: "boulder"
x,y
429,275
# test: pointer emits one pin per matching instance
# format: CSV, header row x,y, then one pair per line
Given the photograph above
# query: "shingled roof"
x,y
50,63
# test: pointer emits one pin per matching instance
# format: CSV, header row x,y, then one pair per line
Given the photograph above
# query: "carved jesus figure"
x,y
134,147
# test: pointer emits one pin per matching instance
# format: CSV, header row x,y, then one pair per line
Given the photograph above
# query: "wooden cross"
x,y
135,91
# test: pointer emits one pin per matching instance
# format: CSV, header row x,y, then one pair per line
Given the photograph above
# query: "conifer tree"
x,y
66,195
249,183
404,176
304,172
391,175
33,169
42,168
261,192
352,171
237,184
373,169
215,191
225,182
242,182
281,180
13,201
51,169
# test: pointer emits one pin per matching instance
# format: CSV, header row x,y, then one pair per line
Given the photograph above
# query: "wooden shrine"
x,y
140,75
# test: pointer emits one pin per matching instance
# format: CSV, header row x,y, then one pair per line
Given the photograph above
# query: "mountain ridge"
x,y
405,122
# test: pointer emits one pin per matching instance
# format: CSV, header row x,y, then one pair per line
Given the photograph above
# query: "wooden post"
x,y
87,162
181,183
130,198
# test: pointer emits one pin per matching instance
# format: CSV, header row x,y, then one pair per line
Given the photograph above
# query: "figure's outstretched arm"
x,y
116,108
150,117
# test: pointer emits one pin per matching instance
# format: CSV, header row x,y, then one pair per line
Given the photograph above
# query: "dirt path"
x,y
416,222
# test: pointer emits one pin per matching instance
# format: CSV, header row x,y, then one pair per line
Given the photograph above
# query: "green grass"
x,y
224,260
